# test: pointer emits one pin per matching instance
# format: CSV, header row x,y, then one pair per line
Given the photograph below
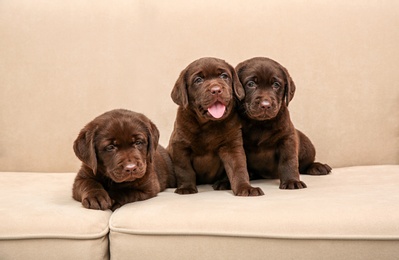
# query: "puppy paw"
x,y
222,185
186,190
98,199
115,206
318,169
292,185
249,191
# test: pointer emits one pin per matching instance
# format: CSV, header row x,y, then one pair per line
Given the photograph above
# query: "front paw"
x,y
292,185
319,169
116,205
223,184
186,190
248,190
98,199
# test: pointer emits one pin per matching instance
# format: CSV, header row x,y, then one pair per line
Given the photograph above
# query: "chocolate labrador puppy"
x,y
121,161
274,148
206,143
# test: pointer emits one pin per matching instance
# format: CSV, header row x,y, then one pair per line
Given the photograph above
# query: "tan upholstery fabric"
x,y
64,62
40,220
350,214
336,216
60,249
238,248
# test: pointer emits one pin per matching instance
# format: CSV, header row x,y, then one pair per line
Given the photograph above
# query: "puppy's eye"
x,y
198,80
110,148
276,85
138,143
251,84
224,75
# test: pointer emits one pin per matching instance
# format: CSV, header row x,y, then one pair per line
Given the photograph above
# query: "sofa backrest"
x,y
64,62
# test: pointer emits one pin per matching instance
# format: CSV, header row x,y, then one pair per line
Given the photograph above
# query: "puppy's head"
x,y
208,86
119,143
268,86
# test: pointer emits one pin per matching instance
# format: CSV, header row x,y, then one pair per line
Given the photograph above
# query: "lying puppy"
x,y
274,148
122,161
206,143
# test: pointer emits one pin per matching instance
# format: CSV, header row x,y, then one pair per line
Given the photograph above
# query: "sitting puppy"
x,y
206,143
274,148
122,161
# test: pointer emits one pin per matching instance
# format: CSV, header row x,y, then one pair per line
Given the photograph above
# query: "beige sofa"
x,y
64,62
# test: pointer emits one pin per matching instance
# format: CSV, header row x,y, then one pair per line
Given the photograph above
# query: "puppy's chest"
x,y
260,147
262,151
209,141
204,156
207,167
260,138
205,146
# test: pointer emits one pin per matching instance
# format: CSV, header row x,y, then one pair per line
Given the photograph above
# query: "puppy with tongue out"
x,y
206,144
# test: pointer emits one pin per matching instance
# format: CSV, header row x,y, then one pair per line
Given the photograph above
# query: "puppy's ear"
x,y
179,93
84,147
237,86
153,139
289,89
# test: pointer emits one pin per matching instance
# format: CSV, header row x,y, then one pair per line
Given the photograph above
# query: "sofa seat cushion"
x,y
40,220
352,213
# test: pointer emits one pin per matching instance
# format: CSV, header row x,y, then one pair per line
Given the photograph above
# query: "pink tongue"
x,y
217,110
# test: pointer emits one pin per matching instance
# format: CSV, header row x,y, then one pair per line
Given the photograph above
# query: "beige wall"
x,y
64,62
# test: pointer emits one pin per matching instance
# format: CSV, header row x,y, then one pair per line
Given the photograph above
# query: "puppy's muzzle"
x,y
130,168
265,105
262,108
216,90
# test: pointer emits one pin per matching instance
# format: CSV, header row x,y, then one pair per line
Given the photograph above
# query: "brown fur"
x,y
274,148
205,149
121,161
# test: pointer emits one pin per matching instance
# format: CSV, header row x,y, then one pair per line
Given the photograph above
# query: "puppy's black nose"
x,y
265,104
216,90
130,168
